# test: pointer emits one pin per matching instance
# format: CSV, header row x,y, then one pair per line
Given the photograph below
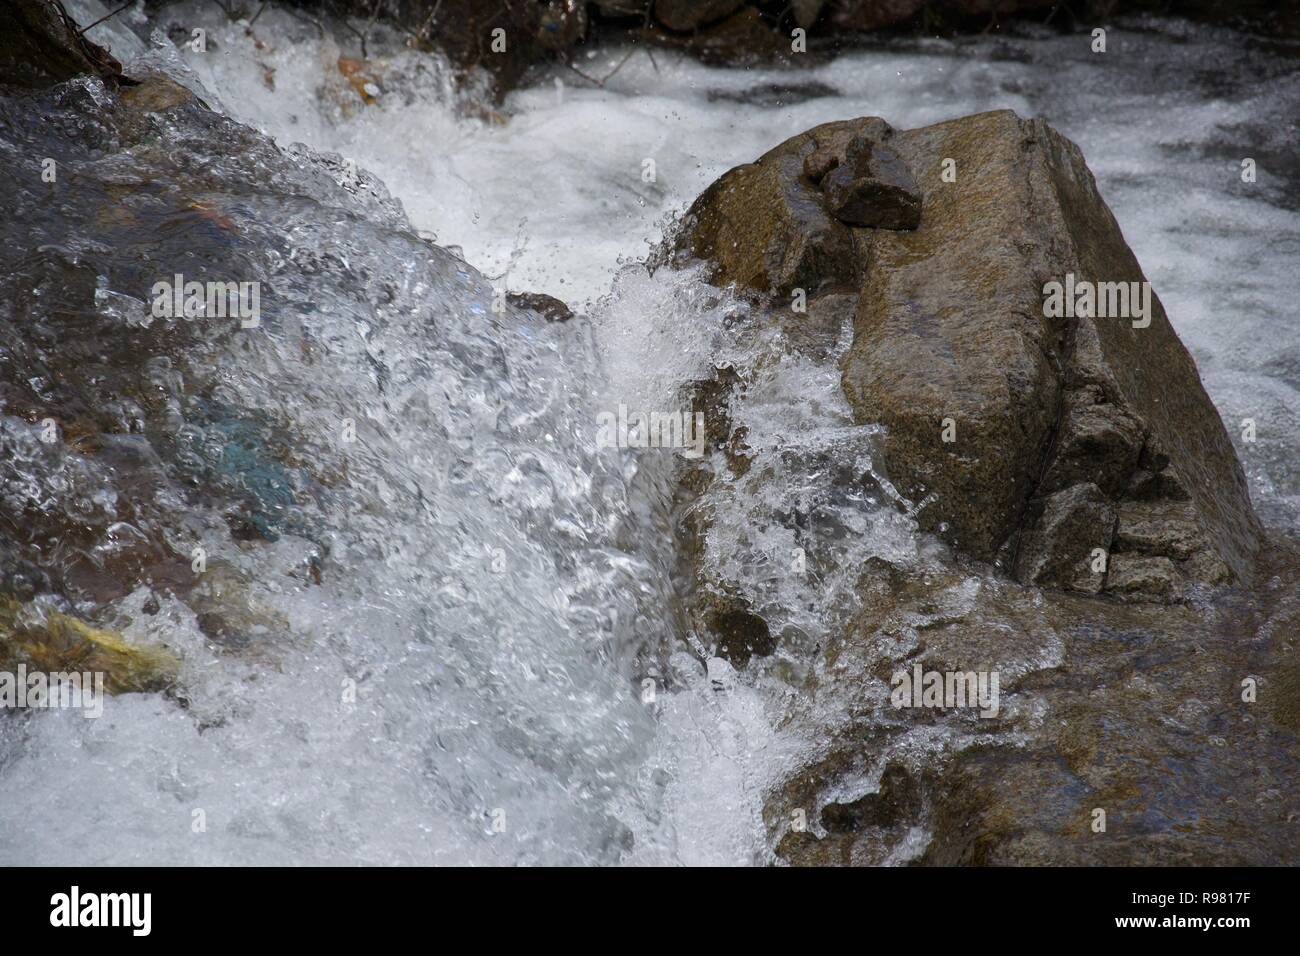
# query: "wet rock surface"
x,y
765,226
1066,401
273,493
1081,455
743,39
1069,540
871,187
122,447
740,32
1146,713
954,352
1134,709
547,306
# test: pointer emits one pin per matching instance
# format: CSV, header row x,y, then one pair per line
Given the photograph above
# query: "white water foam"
x,y
555,199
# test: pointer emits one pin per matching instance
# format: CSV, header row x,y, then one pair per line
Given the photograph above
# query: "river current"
x,y
493,666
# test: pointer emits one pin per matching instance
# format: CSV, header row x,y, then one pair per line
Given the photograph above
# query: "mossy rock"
x,y
60,642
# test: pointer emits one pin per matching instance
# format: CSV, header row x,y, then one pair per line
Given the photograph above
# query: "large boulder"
x,y
1078,451
1017,423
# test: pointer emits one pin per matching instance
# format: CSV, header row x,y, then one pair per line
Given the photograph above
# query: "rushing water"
x,y
495,586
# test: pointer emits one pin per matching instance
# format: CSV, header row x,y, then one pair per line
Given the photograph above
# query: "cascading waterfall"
x,y
458,595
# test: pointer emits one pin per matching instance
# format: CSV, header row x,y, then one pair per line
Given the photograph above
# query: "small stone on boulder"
x,y
873,188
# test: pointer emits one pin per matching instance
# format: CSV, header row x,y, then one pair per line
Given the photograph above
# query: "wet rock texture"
x,y
547,306
765,226
1141,711
691,14
724,619
868,186
116,423
1179,722
1142,624
1065,402
1067,450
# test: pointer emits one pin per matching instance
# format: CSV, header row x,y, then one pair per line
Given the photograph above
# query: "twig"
x,y
306,19
428,22
361,36
608,76
590,79
611,73
107,16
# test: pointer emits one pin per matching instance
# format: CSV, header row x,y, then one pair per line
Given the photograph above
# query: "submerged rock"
x,y
547,306
739,633
227,611
1123,734
126,459
54,642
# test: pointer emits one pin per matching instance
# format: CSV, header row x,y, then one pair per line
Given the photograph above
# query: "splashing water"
x,y
493,586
